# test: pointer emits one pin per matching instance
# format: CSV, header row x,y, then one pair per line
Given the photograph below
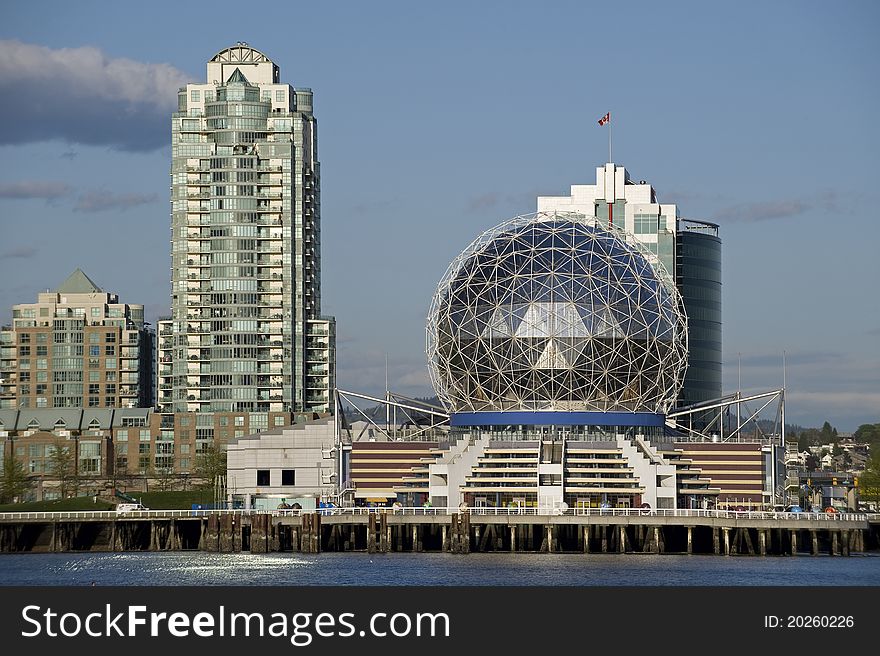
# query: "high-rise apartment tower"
x,y
246,332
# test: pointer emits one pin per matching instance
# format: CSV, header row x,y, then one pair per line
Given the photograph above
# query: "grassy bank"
x,y
152,500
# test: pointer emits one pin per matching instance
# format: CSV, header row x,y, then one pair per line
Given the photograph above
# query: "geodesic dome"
x,y
554,311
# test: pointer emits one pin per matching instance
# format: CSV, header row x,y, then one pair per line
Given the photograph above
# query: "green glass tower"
x,y
246,331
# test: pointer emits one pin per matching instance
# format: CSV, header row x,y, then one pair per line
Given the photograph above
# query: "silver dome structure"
x,y
554,311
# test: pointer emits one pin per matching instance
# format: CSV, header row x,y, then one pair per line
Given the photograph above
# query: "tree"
x,y
14,482
869,481
803,443
827,433
836,449
165,479
869,433
62,467
210,464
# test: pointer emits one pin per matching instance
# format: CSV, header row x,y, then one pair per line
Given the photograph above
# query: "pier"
x,y
471,530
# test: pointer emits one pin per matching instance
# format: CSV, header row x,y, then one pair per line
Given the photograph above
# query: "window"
x,y
42,350
110,363
96,312
24,338
262,477
287,477
145,435
110,338
24,350
279,420
110,349
195,96
94,351
94,377
646,224
122,435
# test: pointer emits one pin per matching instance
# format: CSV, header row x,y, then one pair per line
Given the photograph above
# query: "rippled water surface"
x,y
198,568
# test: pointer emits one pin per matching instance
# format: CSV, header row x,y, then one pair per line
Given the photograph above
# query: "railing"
x,y
112,514
438,511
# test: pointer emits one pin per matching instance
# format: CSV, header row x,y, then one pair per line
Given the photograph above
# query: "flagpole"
x,y
609,141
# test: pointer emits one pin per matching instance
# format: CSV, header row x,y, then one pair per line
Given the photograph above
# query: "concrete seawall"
x,y
760,534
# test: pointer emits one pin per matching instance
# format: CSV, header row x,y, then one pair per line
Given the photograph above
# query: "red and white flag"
x,y
605,119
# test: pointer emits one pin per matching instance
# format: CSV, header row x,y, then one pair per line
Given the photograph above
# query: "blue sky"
x,y
439,120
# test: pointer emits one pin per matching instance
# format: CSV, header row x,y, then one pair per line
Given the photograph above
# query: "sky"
x,y
438,121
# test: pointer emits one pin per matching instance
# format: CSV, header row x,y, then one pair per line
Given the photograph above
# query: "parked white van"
x,y
130,507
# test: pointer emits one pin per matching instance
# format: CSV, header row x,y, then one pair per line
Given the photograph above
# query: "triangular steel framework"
x,y
555,309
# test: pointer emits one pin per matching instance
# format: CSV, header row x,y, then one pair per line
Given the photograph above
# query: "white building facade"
x,y
291,465
620,201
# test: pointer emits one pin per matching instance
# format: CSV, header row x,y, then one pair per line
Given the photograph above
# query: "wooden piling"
x,y
371,533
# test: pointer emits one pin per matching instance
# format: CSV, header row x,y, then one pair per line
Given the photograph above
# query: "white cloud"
x,y
82,95
87,71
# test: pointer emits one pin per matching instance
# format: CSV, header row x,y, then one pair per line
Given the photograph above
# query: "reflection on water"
x,y
197,568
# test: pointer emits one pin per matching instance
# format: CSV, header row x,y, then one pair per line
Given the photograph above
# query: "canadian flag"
x,y
605,119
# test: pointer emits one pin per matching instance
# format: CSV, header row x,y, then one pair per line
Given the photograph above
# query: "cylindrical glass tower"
x,y
698,277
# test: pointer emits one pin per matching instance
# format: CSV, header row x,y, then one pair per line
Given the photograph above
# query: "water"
x,y
199,568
